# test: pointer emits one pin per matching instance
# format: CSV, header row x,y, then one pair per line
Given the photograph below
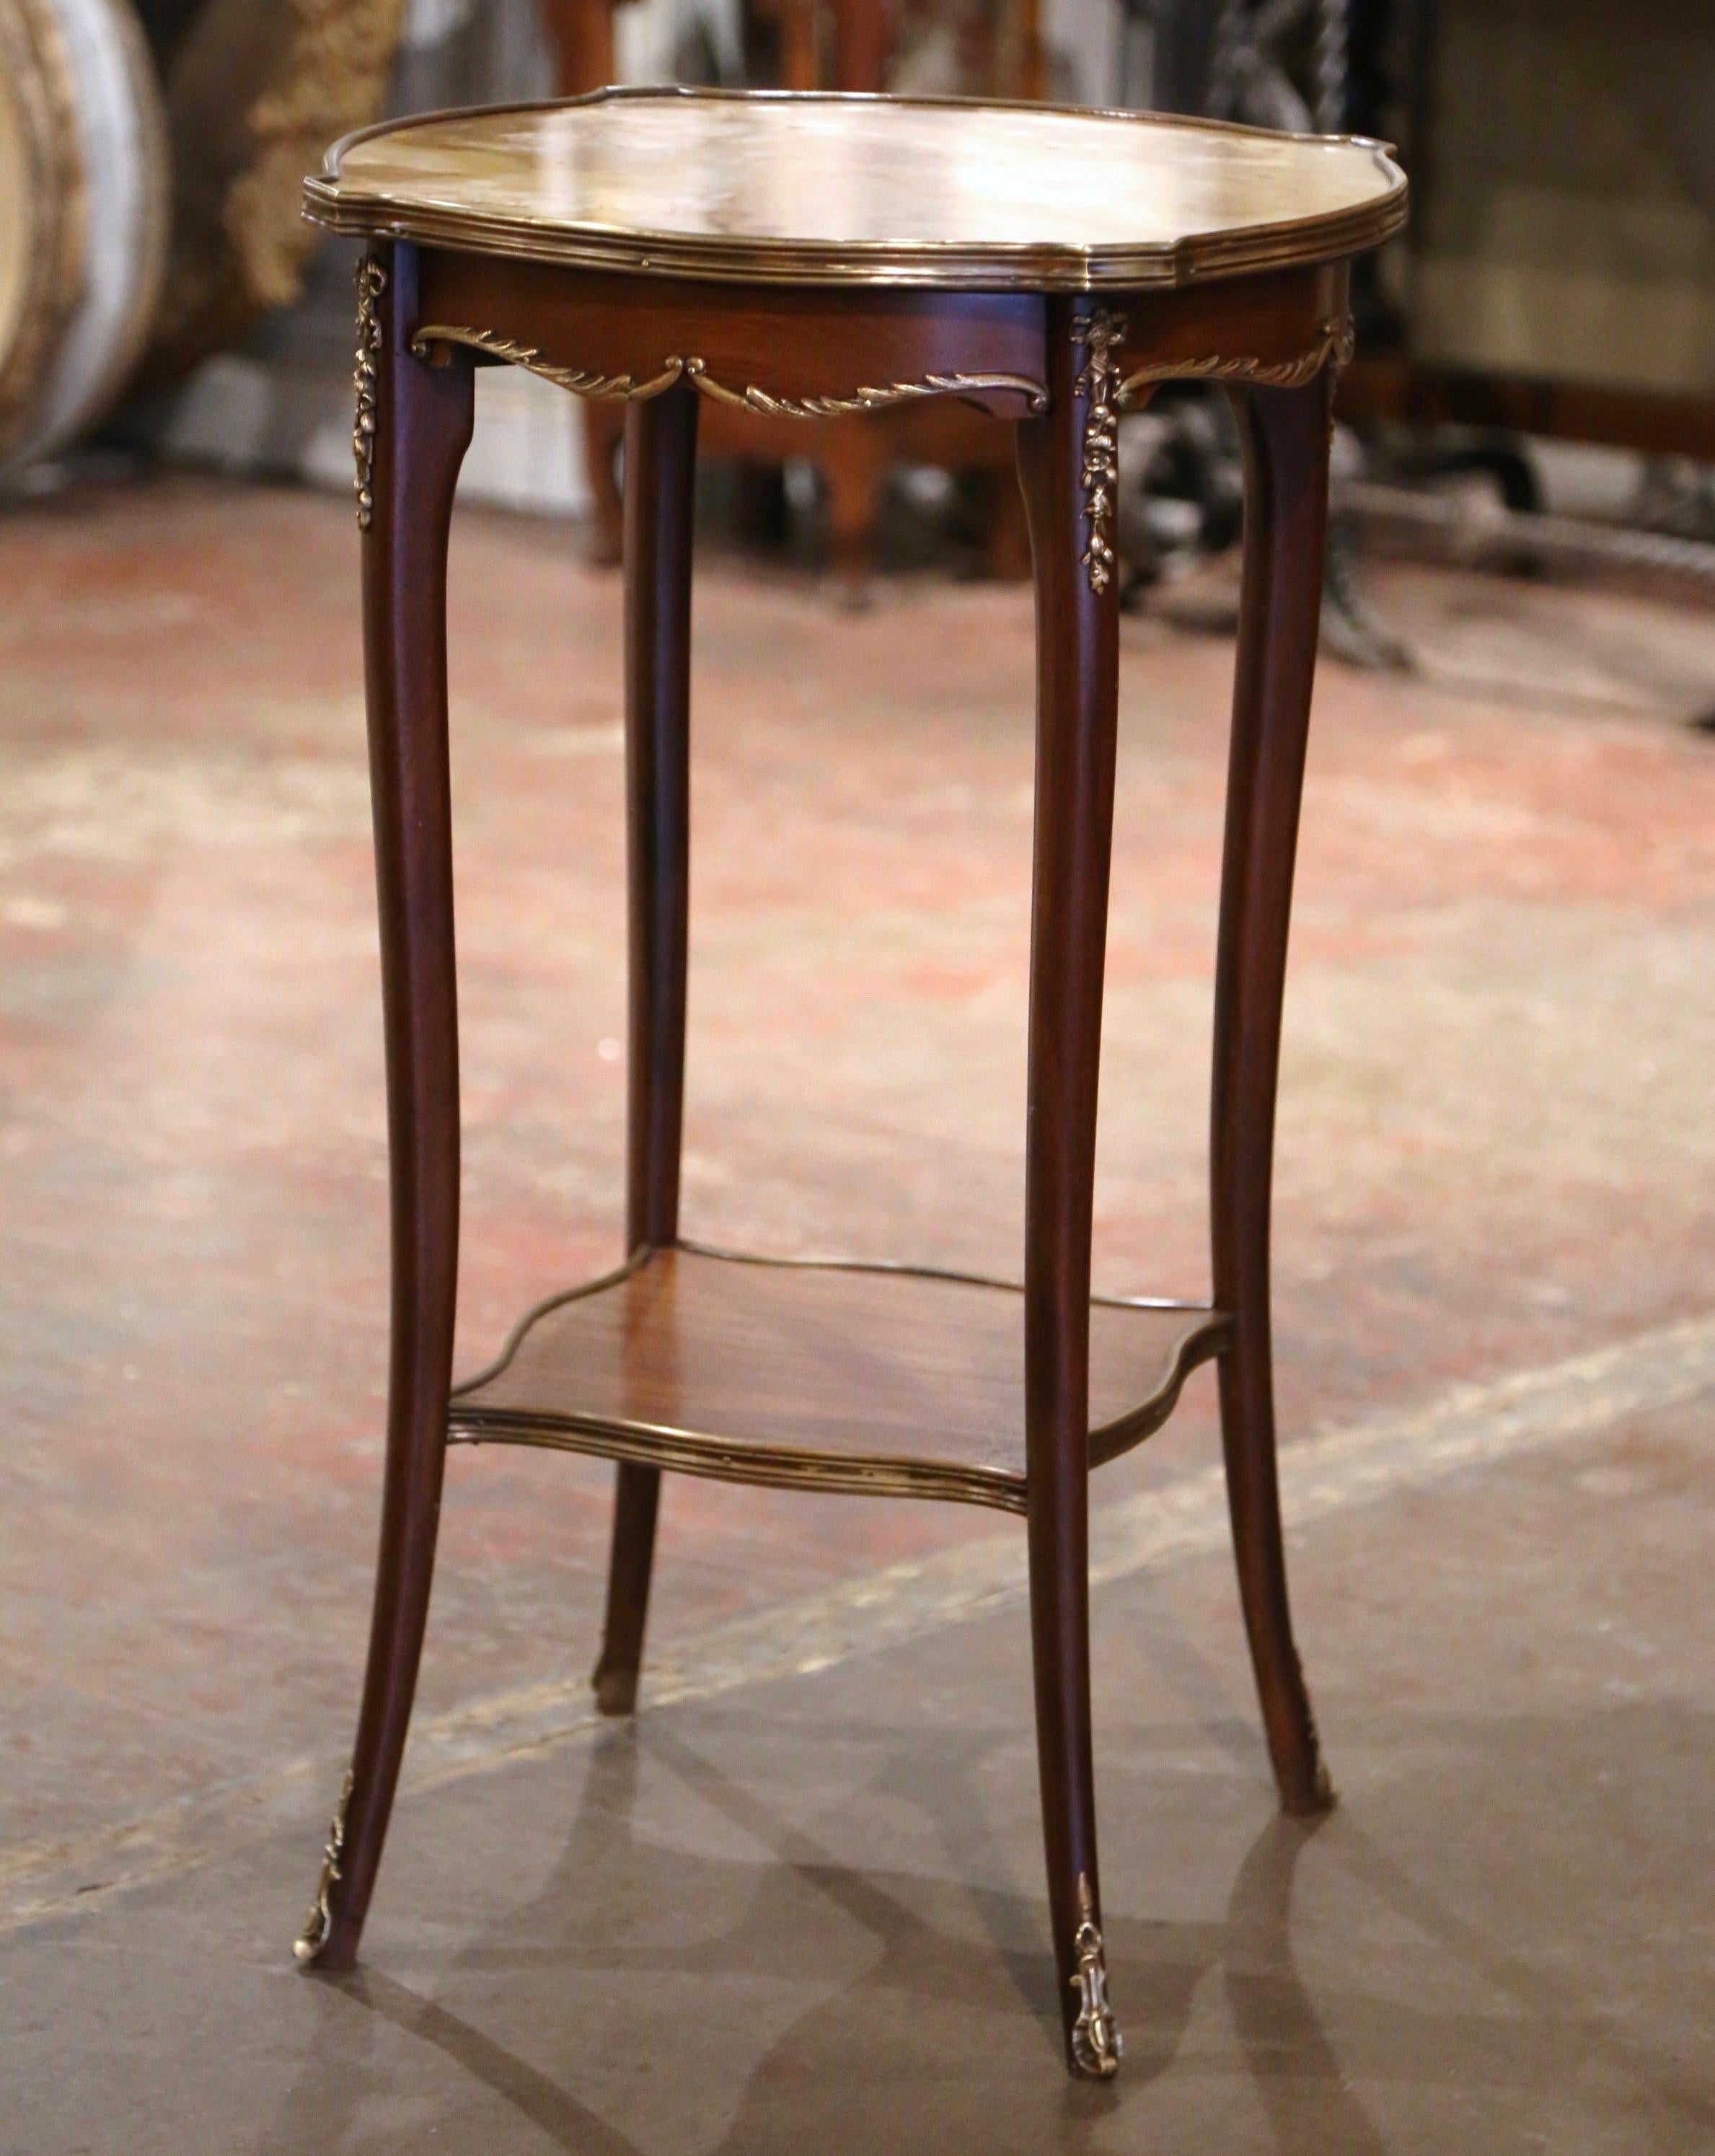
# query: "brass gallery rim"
x,y
1203,1333
446,208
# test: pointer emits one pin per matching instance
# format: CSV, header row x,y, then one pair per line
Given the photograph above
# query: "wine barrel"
x,y
82,216
254,92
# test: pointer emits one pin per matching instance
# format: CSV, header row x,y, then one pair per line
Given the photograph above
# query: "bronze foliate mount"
x,y
313,1938
579,380
864,399
1335,342
1097,2042
372,283
582,382
1099,335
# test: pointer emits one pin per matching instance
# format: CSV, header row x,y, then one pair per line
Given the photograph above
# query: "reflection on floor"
x,y
806,1914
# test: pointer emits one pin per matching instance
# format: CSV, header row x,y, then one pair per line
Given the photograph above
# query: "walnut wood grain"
x,y
827,1376
1068,469
1285,433
606,335
422,422
789,345
873,1379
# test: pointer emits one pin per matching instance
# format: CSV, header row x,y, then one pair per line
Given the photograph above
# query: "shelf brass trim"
x,y
718,1460
693,1452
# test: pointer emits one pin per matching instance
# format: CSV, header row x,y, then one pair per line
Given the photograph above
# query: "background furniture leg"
x,y
422,419
602,426
1062,457
855,458
1286,438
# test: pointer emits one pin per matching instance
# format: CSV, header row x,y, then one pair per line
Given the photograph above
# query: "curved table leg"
x,y
422,416
1066,460
1286,435
660,476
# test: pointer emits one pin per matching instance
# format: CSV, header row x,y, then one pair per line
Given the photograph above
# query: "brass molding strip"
x,y
691,1452
695,370
1335,342
1215,1333
1097,336
1097,2042
372,283
686,1452
900,1266
941,267
515,1339
329,201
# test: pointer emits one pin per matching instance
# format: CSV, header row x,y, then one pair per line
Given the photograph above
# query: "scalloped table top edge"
x,y
814,187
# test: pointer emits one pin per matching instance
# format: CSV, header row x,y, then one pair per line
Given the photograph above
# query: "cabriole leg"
x,y
1067,465
1286,435
413,424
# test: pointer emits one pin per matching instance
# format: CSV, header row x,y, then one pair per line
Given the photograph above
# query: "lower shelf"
x,y
889,1381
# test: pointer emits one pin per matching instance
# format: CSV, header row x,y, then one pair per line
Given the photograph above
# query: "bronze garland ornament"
x,y
580,382
1099,334
863,399
1336,340
695,371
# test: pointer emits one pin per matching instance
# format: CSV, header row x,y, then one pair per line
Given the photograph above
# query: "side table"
x,y
807,256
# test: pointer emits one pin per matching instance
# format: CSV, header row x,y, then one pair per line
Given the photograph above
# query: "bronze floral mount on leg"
x,y
1097,2042
1100,334
311,1941
372,283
